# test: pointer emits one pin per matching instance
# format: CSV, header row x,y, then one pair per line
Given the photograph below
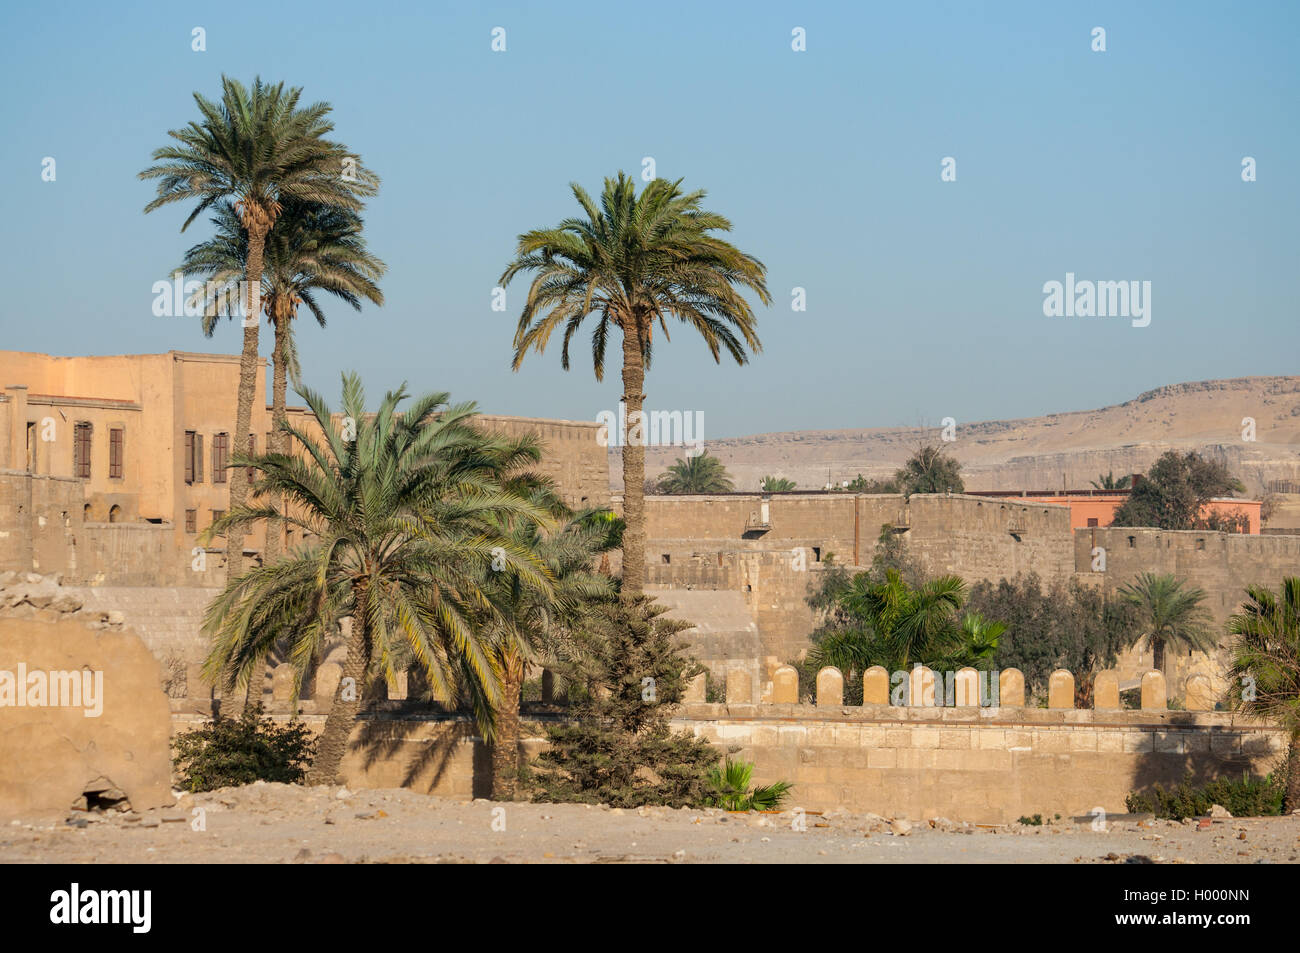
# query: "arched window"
x,y
85,513
114,513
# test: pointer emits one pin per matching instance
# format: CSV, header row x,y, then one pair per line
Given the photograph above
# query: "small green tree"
x,y
1173,494
929,470
620,750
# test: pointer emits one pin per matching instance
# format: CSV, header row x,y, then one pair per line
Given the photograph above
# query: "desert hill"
x,y
1042,453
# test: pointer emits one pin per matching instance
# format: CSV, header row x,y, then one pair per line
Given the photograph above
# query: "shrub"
x,y
229,752
1247,797
730,790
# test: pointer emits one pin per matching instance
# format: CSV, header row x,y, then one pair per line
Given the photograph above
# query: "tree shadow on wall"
x,y
1170,766
382,740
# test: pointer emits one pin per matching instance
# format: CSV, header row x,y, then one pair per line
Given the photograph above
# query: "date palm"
x,y
537,627
698,474
1266,667
1169,614
628,263
311,249
402,510
258,149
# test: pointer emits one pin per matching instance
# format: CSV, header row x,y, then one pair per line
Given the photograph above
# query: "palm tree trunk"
x,y
505,749
243,420
1158,654
633,463
342,718
1291,799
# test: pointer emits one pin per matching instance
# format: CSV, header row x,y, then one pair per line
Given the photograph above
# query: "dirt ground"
x,y
278,824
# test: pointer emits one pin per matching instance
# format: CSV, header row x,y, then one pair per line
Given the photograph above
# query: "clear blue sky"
x,y
924,297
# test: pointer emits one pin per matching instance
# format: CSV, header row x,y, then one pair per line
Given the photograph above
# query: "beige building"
x,y
148,438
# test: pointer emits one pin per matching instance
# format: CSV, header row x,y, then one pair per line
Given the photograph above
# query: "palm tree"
x,y
892,624
1169,615
1266,659
699,474
1108,481
403,509
775,484
311,248
630,262
537,627
259,149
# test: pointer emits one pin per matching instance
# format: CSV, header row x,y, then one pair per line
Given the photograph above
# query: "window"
x,y
114,513
116,438
817,554
220,456
193,457
191,521
81,450
667,559
85,513
1132,542
1092,521
217,514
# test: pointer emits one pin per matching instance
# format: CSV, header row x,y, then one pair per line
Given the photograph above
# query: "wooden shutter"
x,y
116,440
188,454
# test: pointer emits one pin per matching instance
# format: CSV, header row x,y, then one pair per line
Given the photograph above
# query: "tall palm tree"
x,y
1169,615
403,510
630,262
259,149
537,627
311,248
698,474
1266,663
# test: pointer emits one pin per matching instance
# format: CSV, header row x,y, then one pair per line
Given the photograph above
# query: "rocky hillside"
x,y
1041,453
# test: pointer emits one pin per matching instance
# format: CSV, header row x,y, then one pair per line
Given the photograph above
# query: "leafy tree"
x,y
260,150
630,262
403,510
698,474
1169,615
1108,481
775,484
621,750
1266,667
929,470
1173,494
1065,625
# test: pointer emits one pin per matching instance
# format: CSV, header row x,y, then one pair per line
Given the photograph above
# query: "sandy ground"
x,y
276,823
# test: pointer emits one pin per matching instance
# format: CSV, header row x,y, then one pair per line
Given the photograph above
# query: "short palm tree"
x,y
630,262
1266,667
402,510
1108,481
892,624
698,474
258,149
536,627
730,789
775,484
1169,615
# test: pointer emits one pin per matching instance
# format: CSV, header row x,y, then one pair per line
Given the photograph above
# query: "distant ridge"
x,y
1055,451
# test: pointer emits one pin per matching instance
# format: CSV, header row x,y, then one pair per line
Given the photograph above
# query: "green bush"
x,y
730,790
1247,797
229,752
